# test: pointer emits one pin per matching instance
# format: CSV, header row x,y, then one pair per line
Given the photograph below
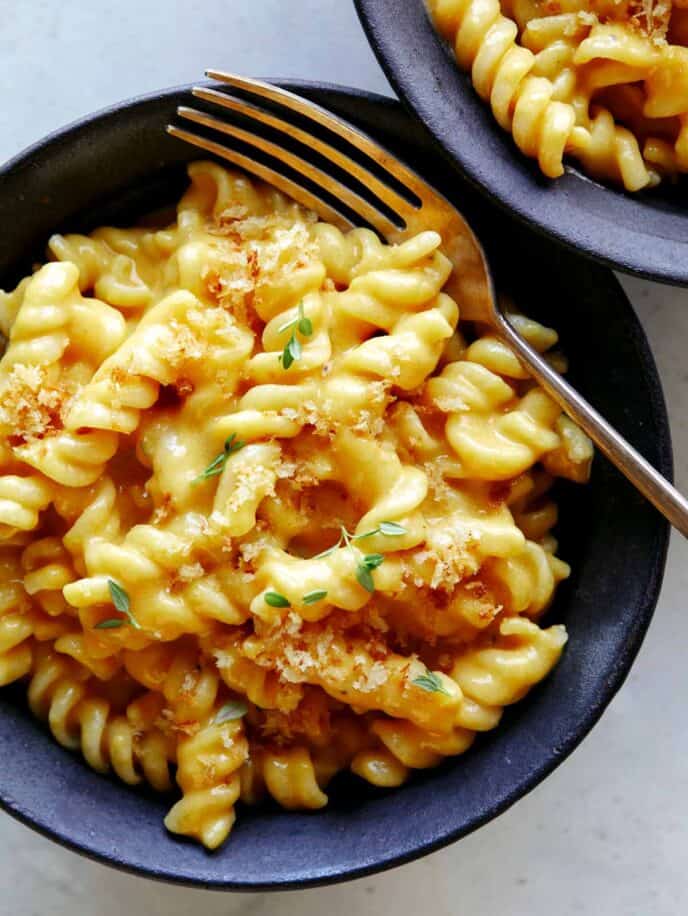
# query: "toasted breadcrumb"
x,y
449,558
251,479
30,406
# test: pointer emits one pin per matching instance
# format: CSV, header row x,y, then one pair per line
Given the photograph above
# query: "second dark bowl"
x,y
644,234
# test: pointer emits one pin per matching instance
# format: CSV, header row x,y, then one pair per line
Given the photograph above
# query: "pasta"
x,y
268,510
604,82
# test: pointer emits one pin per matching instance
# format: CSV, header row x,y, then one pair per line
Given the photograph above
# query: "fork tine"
x,y
335,188
360,141
387,195
265,173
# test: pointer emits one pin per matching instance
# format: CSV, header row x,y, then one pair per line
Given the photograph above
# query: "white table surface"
x,y
607,833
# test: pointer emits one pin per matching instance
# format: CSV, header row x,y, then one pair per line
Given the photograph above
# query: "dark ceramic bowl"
x,y
644,234
116,166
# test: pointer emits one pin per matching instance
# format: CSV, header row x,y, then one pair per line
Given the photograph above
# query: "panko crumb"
x,y
450,558
190,571
227,740
286,470
370,678
252,479
29,405
222,659
652,18
179,345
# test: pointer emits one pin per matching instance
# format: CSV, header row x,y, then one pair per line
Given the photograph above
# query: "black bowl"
x,y
119,164
644,234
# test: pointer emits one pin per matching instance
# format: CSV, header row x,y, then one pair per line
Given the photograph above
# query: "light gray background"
x,y
607,833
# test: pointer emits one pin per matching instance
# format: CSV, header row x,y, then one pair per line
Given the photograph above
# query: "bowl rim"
x,y
37,821
544,205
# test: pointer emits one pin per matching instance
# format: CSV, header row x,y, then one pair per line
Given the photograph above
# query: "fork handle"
x,y
657,489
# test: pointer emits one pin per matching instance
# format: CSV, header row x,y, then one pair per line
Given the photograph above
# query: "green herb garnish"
x,y
120,599
293,349
274,599
432,682
390,529
218,463
369,562
305,325
364,577
364,569
234,709
291,352
314,596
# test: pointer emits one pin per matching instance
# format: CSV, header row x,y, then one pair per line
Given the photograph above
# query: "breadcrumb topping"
x,y
30,406
252,479
451,555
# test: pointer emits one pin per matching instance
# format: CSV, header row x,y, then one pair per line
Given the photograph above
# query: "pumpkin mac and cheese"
x,y
268,509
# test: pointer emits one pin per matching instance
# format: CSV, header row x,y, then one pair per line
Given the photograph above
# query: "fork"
x,y
397,206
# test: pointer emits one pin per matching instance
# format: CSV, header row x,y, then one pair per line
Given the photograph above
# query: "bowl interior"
x,y
119,165
644,234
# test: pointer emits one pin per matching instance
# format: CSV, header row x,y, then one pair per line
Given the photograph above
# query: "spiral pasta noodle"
x,y
270,507
604,83
60,692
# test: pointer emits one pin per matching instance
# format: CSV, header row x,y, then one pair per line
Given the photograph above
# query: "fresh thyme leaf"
x,y
373,560
364,577
274,599
214,468
432,682
234,709
112,624
392,529
291,352
314,596
306,327
305,324
218,463
120,599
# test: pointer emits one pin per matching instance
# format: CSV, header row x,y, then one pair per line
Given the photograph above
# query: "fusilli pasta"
x,y
268,509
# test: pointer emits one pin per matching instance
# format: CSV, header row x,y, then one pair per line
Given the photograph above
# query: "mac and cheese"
x,y
265,512
604,81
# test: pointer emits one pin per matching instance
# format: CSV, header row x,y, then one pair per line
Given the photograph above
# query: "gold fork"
x,y
397,207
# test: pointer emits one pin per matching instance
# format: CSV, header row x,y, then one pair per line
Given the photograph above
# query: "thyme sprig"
x,y
275,599
390,529
121,601
217,465
293,348
432,682
313,597
367,562
233,709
